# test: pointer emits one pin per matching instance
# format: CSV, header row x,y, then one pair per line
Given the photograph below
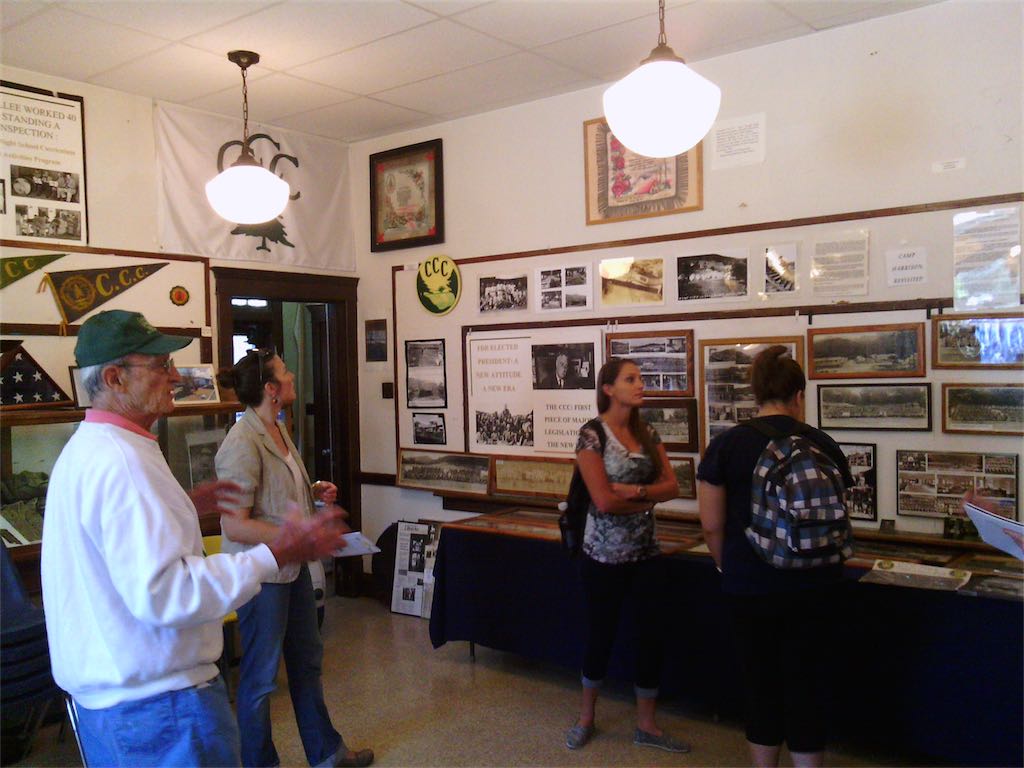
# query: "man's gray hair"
x,y
92,382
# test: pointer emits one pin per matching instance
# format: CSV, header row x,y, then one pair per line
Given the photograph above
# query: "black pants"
x,y
610,588
787,645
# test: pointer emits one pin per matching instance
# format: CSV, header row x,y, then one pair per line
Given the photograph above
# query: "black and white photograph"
x,y
550,278
628,282
503,294
426,384
563,366
978,341
439,471
43,184
675,420
665,359
376,341
866,352
682,466
780,268
504,428
39,221
933,483
202,451
711,276
983,409
899,407
564,288
862,496
198,385
428,429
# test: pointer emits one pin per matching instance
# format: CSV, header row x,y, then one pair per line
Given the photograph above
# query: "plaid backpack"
x,y
798,515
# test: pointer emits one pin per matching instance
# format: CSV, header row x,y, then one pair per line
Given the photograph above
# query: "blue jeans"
x,y
282,618
190,727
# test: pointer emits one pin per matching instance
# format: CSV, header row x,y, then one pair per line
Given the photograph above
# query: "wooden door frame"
x,y
303,287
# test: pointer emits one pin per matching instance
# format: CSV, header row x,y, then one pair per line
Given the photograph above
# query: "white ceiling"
x,y
355,69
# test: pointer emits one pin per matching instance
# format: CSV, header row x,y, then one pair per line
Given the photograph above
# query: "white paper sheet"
x,y
356,544
1001,533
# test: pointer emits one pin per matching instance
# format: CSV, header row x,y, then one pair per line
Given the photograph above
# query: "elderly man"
x,y
133,609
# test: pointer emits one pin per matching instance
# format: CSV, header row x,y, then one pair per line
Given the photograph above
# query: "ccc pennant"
x,y
80,291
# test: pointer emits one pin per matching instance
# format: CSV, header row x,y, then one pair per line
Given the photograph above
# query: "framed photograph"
x,y
665,359
862,497
675,419
866,352
621,185
376,341
81,397
933,483
428,429
202,453
407,197
442,471
726,395
712,276
631,282
426,383
198,385
504,294
983,409
505,427
564,288
685,476
545,478
563,366
891,407
993,340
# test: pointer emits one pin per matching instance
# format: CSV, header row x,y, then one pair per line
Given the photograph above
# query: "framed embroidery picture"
x,y
407,197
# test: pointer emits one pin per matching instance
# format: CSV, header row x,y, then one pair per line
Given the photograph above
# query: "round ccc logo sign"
x,y
438,285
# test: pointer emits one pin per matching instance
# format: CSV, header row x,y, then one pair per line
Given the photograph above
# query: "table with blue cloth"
x,y
932,673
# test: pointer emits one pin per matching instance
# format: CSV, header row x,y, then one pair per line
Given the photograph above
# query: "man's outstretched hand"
x,y
301,539
215,498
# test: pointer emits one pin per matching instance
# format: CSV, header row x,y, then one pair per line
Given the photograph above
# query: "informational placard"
x,y
906,266
739,141
986,259
416,548
42,157
530,391
839,264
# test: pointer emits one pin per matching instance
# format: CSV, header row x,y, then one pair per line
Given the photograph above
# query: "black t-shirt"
x,y
730,460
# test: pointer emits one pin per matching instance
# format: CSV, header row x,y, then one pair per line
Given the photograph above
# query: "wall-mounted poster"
x,y
866,351
978,341
780,268
862,496
426,384
622,185
983,409
503,294
720,275
564,288
986,259
933,483
444,471
726,395
43,155
665,359
629,282
899,407
428,429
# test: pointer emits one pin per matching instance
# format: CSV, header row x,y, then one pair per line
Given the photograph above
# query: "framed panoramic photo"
x,y
622,185
933,483
685,476
665,359
994,340
983,409
426,383
443,471
726,395
862,496
198,385
892,407
866,352
407,197
545,478
675,419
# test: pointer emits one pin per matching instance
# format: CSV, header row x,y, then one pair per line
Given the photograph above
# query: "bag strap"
x,y
596,425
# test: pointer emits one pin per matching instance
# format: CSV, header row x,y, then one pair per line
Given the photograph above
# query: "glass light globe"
x,y
662,108
247,194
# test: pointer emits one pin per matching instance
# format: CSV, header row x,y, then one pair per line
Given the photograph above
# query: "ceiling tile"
x,y
294,33
620,49
695,29
823,15
86,47
483,86
272,98
163,18
446,7
15,13
355,120
407,57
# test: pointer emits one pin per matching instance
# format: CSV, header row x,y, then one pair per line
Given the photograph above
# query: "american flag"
x,y
23,382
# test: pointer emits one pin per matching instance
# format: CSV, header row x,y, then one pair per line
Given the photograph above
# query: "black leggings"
x,y
607,588
787,644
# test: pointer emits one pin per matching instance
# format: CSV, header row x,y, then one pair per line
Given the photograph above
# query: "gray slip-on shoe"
x,y
665,742
577,736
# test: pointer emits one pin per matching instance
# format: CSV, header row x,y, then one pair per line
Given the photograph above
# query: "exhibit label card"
x,y
839,264
906,266
986,259
738,141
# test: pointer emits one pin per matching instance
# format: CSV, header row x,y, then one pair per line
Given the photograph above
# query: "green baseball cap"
x,y
116,333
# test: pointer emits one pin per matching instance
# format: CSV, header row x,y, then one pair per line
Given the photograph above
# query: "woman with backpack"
x,y
626,470
783,608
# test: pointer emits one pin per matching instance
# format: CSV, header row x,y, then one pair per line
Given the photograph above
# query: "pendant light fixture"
x,y
246,193
662,108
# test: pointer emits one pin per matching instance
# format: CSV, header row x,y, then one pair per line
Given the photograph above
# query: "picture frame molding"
x,y
938,320
207,369
442,487
499,489
917,372
948,385
689,404
926,385
686,333
692,472
874,489
431,152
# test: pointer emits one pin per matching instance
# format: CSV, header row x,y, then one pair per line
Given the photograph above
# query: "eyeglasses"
x,y
166,365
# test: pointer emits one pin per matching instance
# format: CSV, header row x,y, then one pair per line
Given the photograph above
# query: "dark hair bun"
x,y
226,378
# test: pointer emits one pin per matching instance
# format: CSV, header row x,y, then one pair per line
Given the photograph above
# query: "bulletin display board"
x,y
872,304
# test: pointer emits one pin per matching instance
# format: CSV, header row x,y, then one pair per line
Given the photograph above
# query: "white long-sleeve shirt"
x,y
132,607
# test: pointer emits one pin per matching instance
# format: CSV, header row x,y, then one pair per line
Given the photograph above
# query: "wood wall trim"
x,y
377,478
